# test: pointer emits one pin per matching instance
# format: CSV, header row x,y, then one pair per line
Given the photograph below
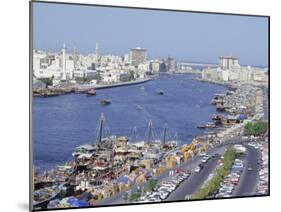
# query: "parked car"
x,y
197,169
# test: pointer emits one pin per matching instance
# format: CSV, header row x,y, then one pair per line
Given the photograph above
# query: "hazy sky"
x,y
184,36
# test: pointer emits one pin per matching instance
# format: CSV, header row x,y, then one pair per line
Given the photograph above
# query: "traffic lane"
x,y
194,182
249,178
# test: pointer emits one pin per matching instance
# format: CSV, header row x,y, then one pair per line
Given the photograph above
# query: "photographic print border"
x,y
133,8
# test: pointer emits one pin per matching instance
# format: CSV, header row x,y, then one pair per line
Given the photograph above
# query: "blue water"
x,y
64,122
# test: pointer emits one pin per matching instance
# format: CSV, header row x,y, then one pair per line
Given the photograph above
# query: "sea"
x,y
62,123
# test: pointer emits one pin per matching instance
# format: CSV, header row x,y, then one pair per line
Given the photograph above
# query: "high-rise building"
x,y
227,62
157,66
171,64
137,56
74,57
63,60
97,53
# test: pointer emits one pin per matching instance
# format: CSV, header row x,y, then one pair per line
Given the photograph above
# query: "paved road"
x,y
248,180
194,182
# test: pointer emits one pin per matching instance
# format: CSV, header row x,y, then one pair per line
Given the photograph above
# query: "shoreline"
x,y
135,82
229,83
84,88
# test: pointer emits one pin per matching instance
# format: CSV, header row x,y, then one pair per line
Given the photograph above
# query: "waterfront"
x,y
64,122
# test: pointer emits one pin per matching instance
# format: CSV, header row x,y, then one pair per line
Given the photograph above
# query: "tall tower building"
x,y
137,56
97,49
227,62
63,60
74,57
97,53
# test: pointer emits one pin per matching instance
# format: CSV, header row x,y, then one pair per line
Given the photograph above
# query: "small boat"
x,y
91,92
160,92
207,125
51,93
105,101
201,126
139,107
142,88
220,108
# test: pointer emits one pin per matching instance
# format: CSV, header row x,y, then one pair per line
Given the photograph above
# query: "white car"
x,y
164,195
197,169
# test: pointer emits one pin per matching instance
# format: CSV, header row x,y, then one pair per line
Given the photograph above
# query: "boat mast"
x,y
149,131
176,137
134,139
100,129
165,134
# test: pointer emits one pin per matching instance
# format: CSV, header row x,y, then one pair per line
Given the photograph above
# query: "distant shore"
x,y
134,82
83,88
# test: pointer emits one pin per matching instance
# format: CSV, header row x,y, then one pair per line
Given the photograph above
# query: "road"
x,y
194,182
248,180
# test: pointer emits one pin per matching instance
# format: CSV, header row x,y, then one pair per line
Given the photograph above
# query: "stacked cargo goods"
x,y
141,179
171,162
146,163
186,156
160,170
186,148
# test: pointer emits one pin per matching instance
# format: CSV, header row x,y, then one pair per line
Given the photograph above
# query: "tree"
x,y
127,77
47,80
96,76
219,175
255,129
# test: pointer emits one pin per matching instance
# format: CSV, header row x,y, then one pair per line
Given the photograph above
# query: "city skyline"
x,y
76,25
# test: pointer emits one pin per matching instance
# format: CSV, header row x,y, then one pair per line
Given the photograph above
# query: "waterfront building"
x,y
46,65
211,74
225,75
230,70
171,64
137,56
79,73
96,56
233,75
143,66
63,63
52,65
126,59
245,74
74,57
226,62
157,66
88,60
110,76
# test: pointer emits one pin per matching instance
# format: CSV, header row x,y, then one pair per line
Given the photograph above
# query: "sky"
x,y
193,37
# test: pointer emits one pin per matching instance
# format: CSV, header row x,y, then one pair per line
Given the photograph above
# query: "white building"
x,y
226,62
225,75
230,70
137,56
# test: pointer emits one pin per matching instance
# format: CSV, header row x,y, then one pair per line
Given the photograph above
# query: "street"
x,y
248,180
